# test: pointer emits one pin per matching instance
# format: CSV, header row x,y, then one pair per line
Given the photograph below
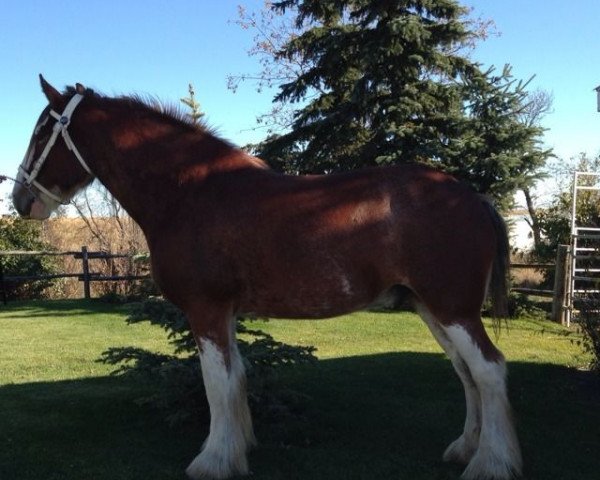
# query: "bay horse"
x,y
229,236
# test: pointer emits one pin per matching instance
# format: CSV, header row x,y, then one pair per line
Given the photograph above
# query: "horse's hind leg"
x,y
224,451
498,455
464,447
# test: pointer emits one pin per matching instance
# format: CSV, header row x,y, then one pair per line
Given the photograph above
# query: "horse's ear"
x,y
80,89
54,97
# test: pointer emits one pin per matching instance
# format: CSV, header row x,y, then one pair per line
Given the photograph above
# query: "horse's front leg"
x,y
224,452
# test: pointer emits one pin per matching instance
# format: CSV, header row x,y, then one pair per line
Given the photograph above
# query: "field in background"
x,y
107,234
382,402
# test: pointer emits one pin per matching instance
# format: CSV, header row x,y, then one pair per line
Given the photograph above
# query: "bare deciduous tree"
x,y
538,106
108,223
271,32
112,230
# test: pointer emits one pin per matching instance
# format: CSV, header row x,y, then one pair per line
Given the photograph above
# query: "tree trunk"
x,y
534,223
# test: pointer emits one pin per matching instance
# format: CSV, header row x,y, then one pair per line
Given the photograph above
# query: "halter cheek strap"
x,y
60,127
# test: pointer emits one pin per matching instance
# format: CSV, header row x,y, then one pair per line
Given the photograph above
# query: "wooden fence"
x,y
560,287
558,293
86,275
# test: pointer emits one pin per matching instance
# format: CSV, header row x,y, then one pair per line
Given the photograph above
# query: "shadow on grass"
x,y
381,416
65,308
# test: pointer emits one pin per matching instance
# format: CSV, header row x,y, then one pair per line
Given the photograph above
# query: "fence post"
x,y
559,299
2,283
86,272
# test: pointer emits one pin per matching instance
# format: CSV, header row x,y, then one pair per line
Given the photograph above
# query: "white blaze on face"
x,y
29,157
41,206
21,195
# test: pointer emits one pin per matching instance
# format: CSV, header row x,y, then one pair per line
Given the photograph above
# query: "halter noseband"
x,y
61,125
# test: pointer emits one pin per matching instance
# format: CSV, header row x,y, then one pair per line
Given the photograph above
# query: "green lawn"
x,y
382,402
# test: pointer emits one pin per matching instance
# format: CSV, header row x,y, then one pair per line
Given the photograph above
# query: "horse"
x,y
229,236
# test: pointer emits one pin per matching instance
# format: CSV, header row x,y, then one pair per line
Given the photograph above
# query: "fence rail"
x,y
86,275
533,266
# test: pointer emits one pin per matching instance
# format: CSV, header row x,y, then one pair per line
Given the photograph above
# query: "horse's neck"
x,y
155,164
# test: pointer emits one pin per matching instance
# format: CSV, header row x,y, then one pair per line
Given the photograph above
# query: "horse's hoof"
x,y
213,465
489,466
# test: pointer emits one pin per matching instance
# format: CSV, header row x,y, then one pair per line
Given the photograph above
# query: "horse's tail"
x,y
498,285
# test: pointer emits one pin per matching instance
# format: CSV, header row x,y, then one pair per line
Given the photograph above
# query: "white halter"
x,y
61,125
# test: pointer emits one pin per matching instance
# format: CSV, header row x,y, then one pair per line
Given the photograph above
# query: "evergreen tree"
x,y
388,82
178,378
195,113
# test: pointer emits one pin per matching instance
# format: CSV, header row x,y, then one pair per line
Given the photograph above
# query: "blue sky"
x,y
158,47
557,41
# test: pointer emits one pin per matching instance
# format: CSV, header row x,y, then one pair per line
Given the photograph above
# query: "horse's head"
x,y
53,170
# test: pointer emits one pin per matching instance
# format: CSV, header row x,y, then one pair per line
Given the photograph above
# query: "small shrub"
x,y
589,324
521,306
113,298
19,234
178,377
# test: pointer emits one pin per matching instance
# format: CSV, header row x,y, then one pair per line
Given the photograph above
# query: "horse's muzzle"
x,y
22,200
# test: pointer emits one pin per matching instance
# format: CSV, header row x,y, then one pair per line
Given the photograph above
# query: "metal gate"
x,y
584,264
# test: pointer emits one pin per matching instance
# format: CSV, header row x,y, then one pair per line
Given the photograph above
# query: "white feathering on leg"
x,y
231,434
498,456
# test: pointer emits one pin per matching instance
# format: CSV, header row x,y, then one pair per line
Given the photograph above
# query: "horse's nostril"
x,y
22,202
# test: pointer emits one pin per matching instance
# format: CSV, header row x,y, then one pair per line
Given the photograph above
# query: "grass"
x,y
60,340
382,402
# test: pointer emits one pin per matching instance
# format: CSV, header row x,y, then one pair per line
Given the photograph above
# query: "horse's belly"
x,y
319,298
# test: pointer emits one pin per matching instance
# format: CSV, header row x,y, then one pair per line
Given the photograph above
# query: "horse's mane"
x,y
170,111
